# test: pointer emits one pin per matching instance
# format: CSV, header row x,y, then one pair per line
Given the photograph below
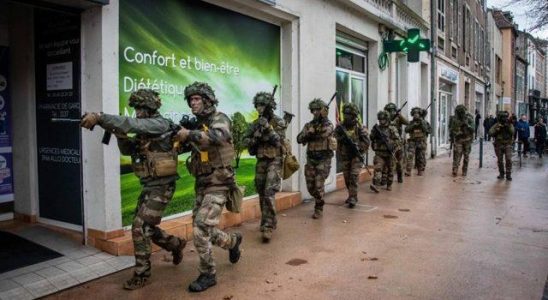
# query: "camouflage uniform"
x,y
397,120
210,162
461,128
418,131
151,146
264,140
351,164
384,158
318,134
503,133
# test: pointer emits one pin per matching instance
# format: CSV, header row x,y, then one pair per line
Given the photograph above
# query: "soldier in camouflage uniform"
x,y
154,161
418,130
397,120
318,134
503,133
265,140
384,140
210,161
461,131
351,164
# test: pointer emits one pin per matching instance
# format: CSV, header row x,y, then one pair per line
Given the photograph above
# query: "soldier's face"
x,y
383,121
141,113
260,108
349,118
316,112
416,116
196,104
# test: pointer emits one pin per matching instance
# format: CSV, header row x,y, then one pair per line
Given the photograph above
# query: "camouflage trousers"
x,y
268,183
316,173
351,171
205,216
384,168
504,155
152,202
397,164
416,154
461,150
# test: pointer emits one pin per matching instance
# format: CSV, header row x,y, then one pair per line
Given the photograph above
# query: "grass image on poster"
x,y
166,45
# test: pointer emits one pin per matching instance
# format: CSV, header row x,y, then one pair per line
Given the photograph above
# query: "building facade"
x,y
66,59
495,66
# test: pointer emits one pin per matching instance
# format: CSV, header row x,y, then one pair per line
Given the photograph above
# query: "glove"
x,y
263,122
89,120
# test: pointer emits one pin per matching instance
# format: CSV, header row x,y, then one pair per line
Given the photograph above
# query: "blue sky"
x,y
520,17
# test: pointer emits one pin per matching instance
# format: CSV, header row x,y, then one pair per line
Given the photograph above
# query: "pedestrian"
x,y
540,136
154,161
476,123
265,140
351,136
384,140
487,123
397,120
523,133
318,136
503,133
461,132
210,162
418,130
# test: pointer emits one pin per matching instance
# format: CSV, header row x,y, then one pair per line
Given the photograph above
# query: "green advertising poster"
x,y
166,45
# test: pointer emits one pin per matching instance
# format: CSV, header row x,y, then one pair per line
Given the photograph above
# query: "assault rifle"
x,y
384,141
354,151
398,111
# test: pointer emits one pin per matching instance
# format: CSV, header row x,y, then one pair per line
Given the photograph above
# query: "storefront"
x,y
447,95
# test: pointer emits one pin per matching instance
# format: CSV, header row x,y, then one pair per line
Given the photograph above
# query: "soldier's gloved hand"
x,y
311,130
90,119
183,134
263,122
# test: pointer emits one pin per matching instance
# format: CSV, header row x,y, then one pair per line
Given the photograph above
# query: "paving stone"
x,y
19,293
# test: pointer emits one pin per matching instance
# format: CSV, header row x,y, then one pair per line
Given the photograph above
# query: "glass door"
x,y
443,130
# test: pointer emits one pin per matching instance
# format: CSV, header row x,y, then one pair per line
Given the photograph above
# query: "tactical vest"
x,y
267,150
151,161
503,136
204,162
418,131
377,143
322,144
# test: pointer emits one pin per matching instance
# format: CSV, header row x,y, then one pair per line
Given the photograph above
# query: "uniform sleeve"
x,y
511,129
403,120
302,136
364,138
219,131
126,145
495,127
125,125
327,130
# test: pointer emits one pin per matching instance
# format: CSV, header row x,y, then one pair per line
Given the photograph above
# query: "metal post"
x,y
433,111
481,153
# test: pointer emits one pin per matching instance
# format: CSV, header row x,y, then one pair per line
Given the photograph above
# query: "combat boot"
x,y
203,282
407,173
234,252
464,171
267,235
374,188
508,177
317,214
400,177
389,187
136,282
352,202
383,182
454,173
419,173
178,252
501,175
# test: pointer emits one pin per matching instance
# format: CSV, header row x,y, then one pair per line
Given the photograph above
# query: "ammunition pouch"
x,y
235,198
155,165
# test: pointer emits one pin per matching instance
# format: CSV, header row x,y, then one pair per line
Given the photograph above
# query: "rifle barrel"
x,y
66,120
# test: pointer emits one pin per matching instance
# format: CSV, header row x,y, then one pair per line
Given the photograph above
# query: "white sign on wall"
x,y
59,76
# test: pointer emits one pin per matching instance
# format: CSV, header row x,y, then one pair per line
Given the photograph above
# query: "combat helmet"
x,y
382,115
317,103
200,88
266,99
502,116
351,108
460,109
391,107
145,98
418,110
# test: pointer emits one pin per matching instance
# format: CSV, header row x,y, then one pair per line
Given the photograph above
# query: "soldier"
x,y
461,128
418,131
351,131
265,140
154,161
210,161
397,120
318,134
384,139
503,133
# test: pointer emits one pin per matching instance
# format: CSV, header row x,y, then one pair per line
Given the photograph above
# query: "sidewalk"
x,y
432,237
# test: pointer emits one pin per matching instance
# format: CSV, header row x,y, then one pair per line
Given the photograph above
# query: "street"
x,y
432,237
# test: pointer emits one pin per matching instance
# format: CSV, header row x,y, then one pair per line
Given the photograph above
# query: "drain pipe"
x,y
433,28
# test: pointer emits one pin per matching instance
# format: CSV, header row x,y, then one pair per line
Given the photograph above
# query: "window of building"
x,y
441,44
441,15
454,52
498,69
455,20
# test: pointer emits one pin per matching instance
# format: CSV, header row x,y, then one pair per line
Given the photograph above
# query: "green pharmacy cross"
x,y
412,45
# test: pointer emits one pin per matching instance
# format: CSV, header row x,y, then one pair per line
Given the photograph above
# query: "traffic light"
x,y
412,45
